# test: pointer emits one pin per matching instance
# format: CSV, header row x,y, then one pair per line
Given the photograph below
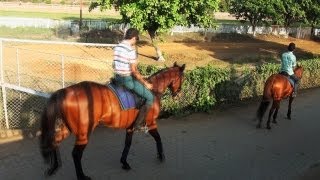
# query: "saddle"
x,y
127,98
291,81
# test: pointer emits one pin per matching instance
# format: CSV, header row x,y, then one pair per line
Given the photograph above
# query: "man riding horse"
x,y
127,74
288,63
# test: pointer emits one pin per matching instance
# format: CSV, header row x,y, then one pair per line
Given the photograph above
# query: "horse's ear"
x,y
175,64
183,67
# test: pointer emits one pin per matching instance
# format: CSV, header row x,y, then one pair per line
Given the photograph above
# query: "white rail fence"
x,y
31,70
73,26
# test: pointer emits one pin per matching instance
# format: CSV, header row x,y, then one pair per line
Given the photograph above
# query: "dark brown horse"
x,y
277,87
81,107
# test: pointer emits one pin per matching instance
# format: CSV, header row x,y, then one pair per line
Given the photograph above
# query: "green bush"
x,y
206,87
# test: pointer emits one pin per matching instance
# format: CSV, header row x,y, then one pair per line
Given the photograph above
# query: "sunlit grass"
x,y
58,15
26,33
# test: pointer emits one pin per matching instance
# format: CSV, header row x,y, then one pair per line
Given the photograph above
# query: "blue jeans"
x,y
295,79
131,83
296,82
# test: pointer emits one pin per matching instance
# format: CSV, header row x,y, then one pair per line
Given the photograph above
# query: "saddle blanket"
x,y
126,98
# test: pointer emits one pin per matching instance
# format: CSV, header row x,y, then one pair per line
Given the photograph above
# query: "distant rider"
x,y
288,64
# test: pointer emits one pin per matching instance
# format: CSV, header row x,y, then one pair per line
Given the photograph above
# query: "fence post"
x,y
62,70
4,96
18,67
18,72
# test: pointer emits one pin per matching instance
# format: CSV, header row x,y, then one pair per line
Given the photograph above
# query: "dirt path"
x,y
222,145
225,52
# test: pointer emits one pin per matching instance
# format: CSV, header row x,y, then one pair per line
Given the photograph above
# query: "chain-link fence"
x,y
31,70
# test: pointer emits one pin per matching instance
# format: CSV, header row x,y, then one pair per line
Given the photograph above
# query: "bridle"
x,y
180,87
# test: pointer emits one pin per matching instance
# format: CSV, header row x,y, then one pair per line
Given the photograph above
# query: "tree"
x,y
289,12
224,5
156,16
312,12
255,11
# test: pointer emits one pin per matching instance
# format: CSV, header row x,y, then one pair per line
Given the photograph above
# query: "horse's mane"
x,y
298,67
159,72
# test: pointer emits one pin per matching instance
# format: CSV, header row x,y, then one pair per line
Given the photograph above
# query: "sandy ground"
x,y
222,145
218,51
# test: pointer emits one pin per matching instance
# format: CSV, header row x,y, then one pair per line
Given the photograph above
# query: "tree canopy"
x,y
162,15
158,16
312,13
278,12
289,12
255,11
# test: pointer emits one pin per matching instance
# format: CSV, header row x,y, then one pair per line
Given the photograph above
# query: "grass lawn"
x,y
27,33
58,15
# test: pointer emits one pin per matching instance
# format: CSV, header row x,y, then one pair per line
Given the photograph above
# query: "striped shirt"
x,y
288,62
124,56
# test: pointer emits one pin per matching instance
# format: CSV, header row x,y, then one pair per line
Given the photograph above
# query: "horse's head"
x,y
176,84
298,71
171,78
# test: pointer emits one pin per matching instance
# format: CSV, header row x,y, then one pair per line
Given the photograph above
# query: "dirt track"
x,y
219,53
224,145
225,52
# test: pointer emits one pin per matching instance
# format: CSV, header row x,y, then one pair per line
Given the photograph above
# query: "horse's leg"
x,y
55,159
55,162
155,134
77,155
289,108
261,111
126,149
273,107
276,112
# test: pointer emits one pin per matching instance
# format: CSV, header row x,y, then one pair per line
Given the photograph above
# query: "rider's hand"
x,y
149,86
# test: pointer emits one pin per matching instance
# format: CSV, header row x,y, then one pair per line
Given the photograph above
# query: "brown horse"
x,y
277,87
81,107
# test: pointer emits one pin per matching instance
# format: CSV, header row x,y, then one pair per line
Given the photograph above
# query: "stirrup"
x,y
144,129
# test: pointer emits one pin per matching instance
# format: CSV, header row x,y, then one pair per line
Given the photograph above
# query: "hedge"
x,y
206,87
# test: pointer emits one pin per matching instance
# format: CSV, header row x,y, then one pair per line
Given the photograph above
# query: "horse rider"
x,y
127,74
288,63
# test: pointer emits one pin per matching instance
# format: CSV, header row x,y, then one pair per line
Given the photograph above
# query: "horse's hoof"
x,y
84,178
258,126
289,118
51,171
126,166
161,157
269,127
274,122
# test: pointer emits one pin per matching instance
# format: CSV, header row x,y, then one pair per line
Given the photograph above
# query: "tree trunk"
x,y
254,30
253,23
154,41
312,31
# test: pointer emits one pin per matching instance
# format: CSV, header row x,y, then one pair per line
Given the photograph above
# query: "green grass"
x,y
26,33
58,16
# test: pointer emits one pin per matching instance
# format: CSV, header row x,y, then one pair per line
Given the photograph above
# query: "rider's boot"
x,y
295,90
139,123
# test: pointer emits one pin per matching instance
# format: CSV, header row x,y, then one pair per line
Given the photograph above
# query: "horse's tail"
x,y
266,98
262,108
49,116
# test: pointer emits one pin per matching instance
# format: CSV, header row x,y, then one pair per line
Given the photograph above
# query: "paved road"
x,y
224,145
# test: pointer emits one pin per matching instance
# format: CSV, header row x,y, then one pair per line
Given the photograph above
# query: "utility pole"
x,y
80,23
